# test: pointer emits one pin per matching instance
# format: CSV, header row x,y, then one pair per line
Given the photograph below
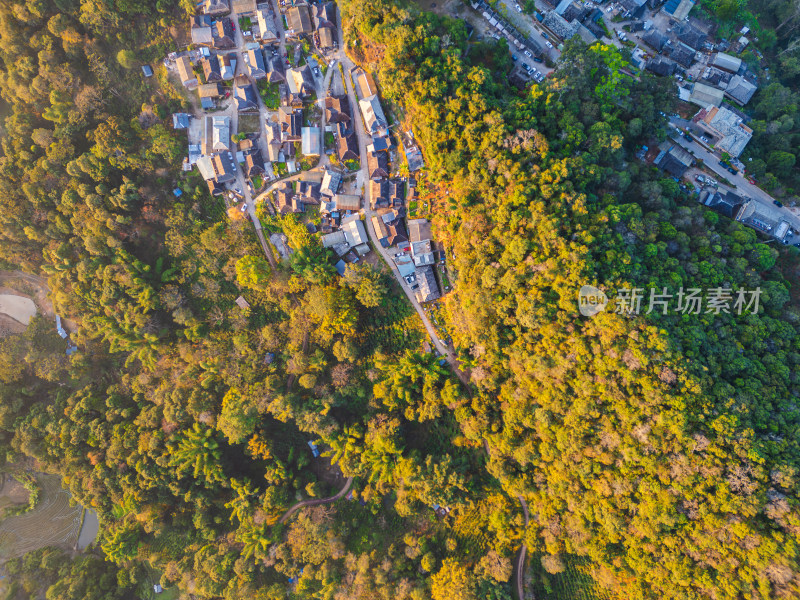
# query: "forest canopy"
x,y
659,451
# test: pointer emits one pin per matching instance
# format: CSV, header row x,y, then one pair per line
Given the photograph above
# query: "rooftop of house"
x,y
660,66
730,127
727,62
299,19
419,230
373,113
560,26
689,35
377,164
655,39
244,93
428,288
704,95
683,55
740,89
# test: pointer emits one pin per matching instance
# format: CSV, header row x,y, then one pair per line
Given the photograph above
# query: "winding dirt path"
x,y
316,502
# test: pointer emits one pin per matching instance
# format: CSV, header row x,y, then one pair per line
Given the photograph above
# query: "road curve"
x,y
316,502
519,565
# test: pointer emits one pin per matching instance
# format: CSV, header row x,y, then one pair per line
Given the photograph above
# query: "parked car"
x,y
316,72
537,59
778,203
544,35
244,208
732,171
528,54
548,44
687,136
514,57
518,7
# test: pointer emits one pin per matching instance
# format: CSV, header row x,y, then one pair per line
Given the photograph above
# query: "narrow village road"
x,y
317,502
519,564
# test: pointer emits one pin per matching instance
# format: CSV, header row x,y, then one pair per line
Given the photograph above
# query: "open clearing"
x,y
19,308
52,523
90,529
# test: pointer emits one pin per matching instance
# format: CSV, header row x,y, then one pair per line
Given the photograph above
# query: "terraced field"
x,y
52,523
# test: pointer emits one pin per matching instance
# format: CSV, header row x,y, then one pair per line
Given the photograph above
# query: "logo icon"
x,y
591,301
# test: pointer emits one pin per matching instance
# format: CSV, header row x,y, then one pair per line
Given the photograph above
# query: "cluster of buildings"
x,y
569,18
681,47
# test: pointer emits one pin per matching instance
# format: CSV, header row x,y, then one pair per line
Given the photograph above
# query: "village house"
x,y
347,202
299,20
346,143
331,182
267,31
200,30
274,143
726,62
210,90
185,72
725,203
377,165
655,39
243,7
355,234
211,68
256,66
689,35
365,84
705,95
379,193
337,109
222,32
291,122
428,290
217,170
311,141
254,163
390,228
726,129
683,55
287,201
181,120
740,90
216,134
309,192
374,119
325,15
673,159
678,9
661,66
244,94
301,81
214,8
275,71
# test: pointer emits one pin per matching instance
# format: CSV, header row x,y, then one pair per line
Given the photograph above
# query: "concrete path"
x,y
317,502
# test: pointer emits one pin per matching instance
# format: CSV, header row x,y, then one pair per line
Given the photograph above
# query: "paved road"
x,y
527,25
316,502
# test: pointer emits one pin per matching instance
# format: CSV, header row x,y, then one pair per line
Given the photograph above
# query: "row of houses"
x,y
501,24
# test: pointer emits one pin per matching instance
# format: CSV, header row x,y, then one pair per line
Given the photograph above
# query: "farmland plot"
x,y
52,523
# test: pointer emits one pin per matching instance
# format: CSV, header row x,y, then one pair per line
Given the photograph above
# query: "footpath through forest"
x,y
317,501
